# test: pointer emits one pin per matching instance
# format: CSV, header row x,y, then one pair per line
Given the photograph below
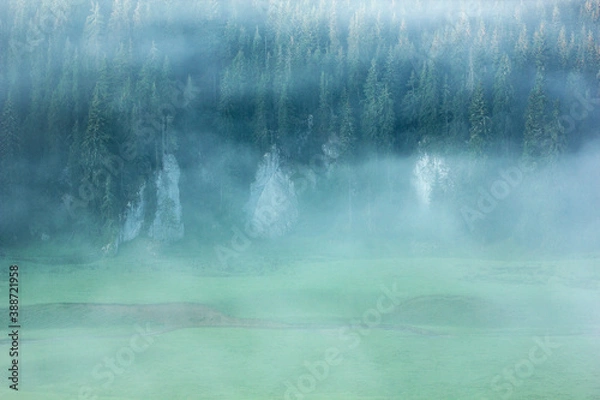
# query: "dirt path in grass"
x,y
156,319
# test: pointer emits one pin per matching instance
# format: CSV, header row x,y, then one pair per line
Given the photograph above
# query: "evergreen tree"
x,y
378,116
95,146
371,111
148,76
371,77
94,32
502,105
556,141
522,48
324,114
353,54
564,50
429,99
119,22
447,111
9,143
479,133
109,211
283,106
535,120
347,124
262,138
540,47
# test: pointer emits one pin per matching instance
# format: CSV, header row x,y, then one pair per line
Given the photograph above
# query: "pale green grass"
x,y
488,312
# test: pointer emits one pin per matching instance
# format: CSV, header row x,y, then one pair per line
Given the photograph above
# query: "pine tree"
x,y
522,48
556,141
411,104
283,107
371,112
446,108
109,211
564,50
118,22
429,98
378,117
540,46
9,143
347,124
592,52
479,133
95,142
258,51
262,138
75,163
60,112
148,76
535,120
502,104
388,119
333,35
556,18
94,31
353,54
325,109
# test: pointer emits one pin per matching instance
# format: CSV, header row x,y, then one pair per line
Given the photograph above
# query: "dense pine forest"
x,y
92,95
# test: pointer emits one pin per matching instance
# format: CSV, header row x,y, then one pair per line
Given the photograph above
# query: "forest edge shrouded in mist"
x,y
101,104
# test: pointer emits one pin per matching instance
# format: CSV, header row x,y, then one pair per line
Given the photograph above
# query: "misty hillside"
x,y
128,117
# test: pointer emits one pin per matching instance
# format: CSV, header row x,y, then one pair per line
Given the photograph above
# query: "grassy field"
x,y
375,327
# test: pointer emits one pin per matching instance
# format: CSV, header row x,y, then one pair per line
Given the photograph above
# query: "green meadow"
x,y
361,326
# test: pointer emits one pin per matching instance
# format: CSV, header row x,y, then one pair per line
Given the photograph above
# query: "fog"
x,y
276,199
436,205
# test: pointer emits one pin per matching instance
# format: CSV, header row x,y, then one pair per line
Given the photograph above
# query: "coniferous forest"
x,y
94,95
300,199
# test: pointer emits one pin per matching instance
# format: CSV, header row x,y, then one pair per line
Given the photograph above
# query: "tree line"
x,y
128,80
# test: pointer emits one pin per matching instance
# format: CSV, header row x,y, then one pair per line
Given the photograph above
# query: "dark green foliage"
x,y
378,117
90,79
9,143
535,120
479,133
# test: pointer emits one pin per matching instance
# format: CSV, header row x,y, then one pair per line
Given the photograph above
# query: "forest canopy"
x,y
112,85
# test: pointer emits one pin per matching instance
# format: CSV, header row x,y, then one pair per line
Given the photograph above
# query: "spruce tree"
x,y
324,112
347,124
262,138
371,112
535,119
95,144
521,49
540,46
502,105
555,141
479,132
94,32
9,143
